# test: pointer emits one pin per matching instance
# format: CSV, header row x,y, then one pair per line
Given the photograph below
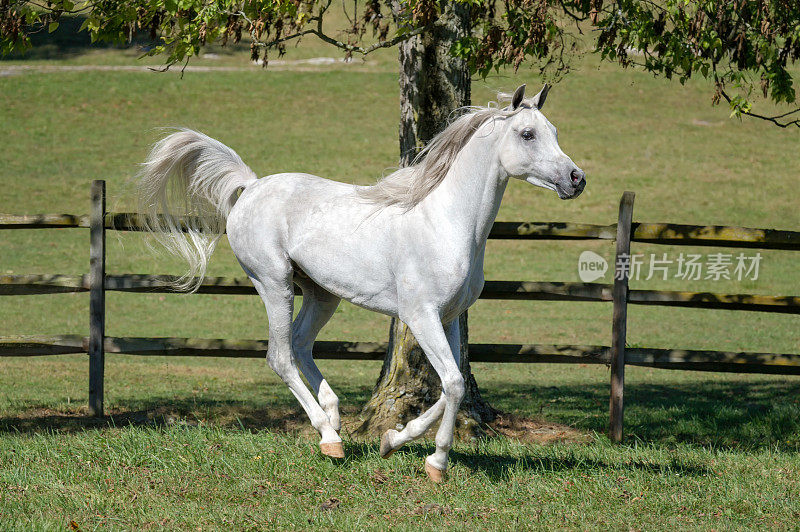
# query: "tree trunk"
x,y
432,85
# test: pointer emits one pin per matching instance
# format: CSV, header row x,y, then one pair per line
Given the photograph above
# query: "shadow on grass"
x,y
740,415
497,466
735,415
237,416
163,411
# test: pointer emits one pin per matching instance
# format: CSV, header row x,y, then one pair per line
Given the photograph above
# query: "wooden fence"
x,y
625,231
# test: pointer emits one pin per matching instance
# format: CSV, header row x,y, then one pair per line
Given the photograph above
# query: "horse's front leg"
x,y
392,439
427,329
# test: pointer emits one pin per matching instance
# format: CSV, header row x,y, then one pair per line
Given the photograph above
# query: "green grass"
x,y
207,478
217,443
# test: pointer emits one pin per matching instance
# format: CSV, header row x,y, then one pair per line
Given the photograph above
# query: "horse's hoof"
x,y
333,449
386,447
437,476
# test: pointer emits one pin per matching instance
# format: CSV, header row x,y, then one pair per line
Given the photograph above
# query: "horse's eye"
x,y
526,134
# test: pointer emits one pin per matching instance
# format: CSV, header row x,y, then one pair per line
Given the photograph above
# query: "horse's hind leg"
x,y
277,292
318,307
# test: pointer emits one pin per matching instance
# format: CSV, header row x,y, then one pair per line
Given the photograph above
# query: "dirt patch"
x,y
535,431
706,123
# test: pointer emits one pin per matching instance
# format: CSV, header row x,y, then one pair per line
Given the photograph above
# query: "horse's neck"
x,y
469,197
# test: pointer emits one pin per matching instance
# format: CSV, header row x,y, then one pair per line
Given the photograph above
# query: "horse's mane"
x,y
408,186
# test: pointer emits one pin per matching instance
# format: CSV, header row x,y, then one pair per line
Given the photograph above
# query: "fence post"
x,y
620,317
97,297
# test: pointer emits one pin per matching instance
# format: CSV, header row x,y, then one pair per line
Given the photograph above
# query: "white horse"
x,y
411,246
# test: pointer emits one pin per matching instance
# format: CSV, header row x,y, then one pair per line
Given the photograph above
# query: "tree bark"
x,y
433,84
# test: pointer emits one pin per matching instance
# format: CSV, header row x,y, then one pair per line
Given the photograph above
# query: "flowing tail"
x,y
187,187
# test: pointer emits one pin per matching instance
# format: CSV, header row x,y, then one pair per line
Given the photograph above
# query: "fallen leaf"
x,y
432,508
330,504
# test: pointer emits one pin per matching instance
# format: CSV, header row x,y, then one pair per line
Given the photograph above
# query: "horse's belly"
x,y
356,281
348,256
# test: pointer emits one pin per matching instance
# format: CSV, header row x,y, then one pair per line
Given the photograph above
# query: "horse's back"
x,y
285,186
270,206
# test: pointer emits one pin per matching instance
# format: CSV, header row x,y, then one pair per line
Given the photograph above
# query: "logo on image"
x,y
591,266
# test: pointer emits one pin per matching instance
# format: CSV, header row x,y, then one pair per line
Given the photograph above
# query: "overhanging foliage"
x,y
744,46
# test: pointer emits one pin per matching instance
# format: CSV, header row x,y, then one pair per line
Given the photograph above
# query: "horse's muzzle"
x,y
575,186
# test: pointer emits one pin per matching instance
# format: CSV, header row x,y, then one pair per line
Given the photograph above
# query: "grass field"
x,y
221,443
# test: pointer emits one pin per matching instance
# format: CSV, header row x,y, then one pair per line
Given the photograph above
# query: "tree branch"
x,y
350,48
165,68
369,49
773,119
270,44
574,16
345,46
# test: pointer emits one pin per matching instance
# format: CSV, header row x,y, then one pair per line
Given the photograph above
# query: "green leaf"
x,y
53,26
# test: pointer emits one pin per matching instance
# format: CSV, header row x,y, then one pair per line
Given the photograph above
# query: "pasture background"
x,y
210,442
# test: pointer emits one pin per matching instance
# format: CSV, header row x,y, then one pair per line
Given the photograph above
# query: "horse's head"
x,y
529,148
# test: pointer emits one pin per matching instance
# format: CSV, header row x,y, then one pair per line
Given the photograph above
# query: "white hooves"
x,y
333,449
437,476
386,445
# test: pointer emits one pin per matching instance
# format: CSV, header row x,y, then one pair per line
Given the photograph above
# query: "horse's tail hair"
x,y
186,188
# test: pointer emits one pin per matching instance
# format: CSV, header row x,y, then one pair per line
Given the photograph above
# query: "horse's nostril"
x,y
577,176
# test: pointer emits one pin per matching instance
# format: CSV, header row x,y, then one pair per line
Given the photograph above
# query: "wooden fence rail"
x,y
509,290
652,233
617,355
697,360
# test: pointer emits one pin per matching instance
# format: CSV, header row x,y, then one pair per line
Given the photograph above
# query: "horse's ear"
x,y
538,100
519,95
